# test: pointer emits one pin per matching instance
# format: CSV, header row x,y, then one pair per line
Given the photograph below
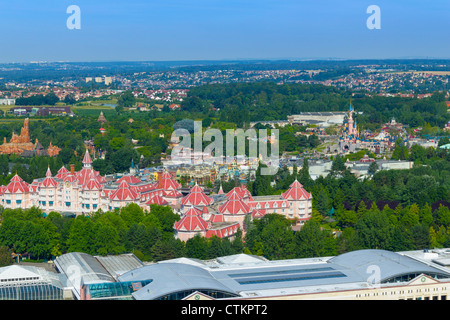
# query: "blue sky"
x,y
162,30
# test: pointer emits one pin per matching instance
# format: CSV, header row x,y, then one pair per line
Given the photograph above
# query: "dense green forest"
x,y
242,103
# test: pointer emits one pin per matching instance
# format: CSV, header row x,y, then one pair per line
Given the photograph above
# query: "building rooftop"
x,y
245,276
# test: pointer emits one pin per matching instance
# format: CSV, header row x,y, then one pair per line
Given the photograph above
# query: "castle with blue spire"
x,y
350,133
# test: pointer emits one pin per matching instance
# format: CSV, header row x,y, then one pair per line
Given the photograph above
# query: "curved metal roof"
x,y
390,264
243,275
170,278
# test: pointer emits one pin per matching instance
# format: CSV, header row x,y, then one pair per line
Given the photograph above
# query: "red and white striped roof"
x,y
70,178
147,196
62,173
2,189
172,194
124,193
92,184
148,187
87,158
168,183
192,221
17,185
130,179
196,197
258,213
48,182
84,175
216,218
156,199
296,192
242,192
223,232
234,205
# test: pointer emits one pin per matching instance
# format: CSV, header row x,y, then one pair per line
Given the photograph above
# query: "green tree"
x,y
261,186
197,247
374,231
132,214
323,202
5,257
373,168
311,241
338,167
126,100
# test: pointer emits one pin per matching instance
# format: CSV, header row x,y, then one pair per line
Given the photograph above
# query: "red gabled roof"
x,y
223,232
63,170
234,205
92,184
296,192
48,182
258,213
242,192
156,199
62,173
124,192
146,187
216,218
17,185
84,175
129,179
87,158
192,221
168,183
196,197
70,178
172,194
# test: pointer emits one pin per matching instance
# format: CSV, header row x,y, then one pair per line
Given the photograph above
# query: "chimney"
x,y
160,183
72,169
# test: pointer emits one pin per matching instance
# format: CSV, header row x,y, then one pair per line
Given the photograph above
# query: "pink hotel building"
x,y
86,191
